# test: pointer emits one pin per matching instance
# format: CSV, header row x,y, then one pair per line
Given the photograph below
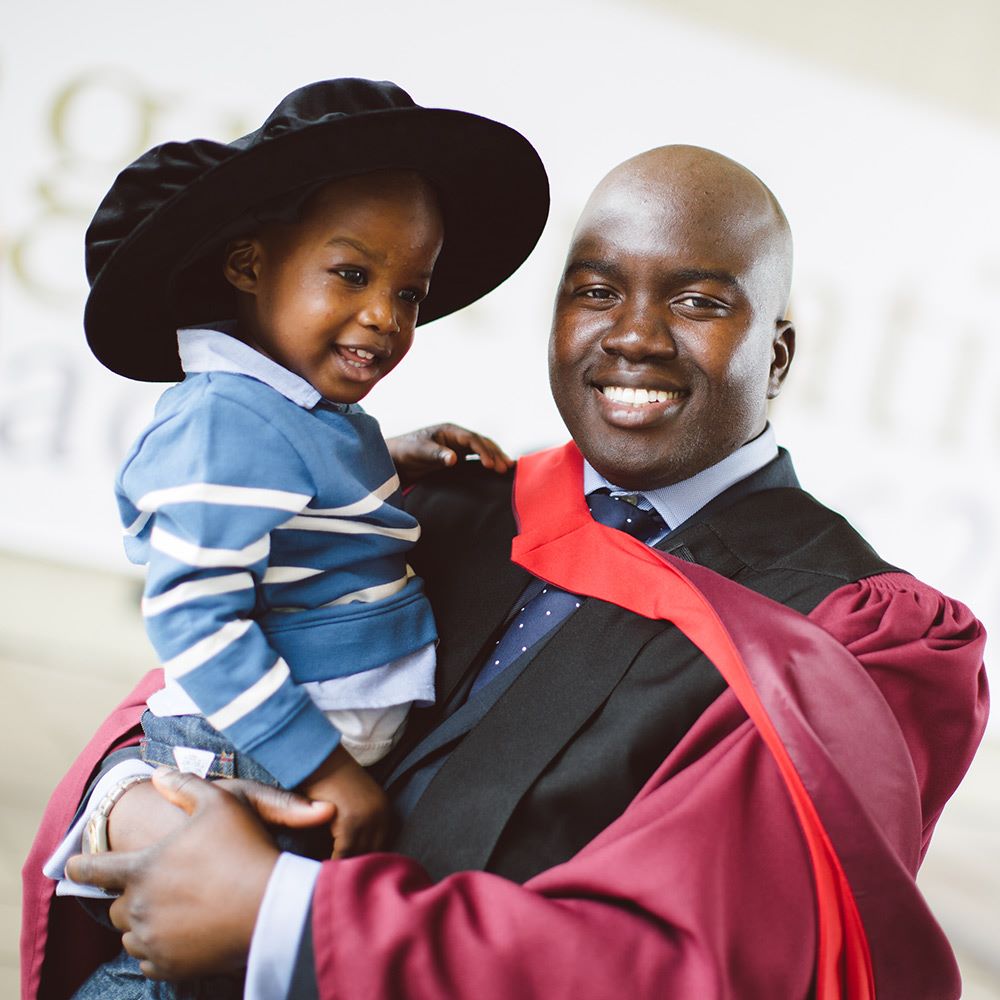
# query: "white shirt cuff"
x,y
283,913
72,843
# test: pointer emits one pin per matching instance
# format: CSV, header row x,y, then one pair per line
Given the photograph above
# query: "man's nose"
x,y
378,312
641,332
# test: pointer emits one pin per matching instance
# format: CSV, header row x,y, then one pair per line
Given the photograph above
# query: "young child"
x,y
297,262
266,506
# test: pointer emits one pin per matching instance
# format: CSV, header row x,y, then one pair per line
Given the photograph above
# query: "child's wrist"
x,y
334,763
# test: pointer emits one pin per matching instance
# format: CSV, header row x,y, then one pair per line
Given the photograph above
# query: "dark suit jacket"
x,y
570,733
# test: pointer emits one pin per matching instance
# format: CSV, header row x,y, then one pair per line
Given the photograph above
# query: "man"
x,y
671,785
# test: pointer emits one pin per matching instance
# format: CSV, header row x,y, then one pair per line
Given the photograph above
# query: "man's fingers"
x,y
120,914
273,805
277,805
151,970
132,944
107,871
187,791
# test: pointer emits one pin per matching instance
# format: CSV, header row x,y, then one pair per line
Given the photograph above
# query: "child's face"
x,y
334,297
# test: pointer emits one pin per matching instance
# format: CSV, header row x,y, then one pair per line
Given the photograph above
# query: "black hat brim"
x,y
490,181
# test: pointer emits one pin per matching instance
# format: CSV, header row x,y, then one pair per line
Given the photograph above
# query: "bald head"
x,y
669,335
687,186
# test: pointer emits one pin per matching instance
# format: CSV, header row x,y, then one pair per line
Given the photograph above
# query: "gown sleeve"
x,y
925,653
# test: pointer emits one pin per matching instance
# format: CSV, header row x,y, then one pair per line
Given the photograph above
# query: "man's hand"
x,y
432,448
189,902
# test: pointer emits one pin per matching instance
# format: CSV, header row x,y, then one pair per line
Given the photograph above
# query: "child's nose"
x,y
378,313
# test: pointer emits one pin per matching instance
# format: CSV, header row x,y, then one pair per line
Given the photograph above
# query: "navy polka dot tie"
x,y
620,511
543,606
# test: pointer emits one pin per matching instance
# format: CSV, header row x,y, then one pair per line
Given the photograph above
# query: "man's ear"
x,y
241,264
782,352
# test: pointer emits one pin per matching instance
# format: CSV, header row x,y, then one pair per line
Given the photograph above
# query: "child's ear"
x,y
241,264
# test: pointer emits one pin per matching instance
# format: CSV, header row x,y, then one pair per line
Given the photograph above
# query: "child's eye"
x,y
412,295
352,275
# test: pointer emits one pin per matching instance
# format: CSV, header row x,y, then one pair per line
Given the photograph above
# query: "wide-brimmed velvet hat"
x,y
153,249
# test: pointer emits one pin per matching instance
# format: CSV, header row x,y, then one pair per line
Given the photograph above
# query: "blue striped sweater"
x,y
276,556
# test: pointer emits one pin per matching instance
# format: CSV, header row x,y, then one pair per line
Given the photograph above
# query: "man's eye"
x,y
699,302
600,294
352,275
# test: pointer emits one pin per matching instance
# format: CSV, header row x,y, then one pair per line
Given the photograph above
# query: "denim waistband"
x,y
164,734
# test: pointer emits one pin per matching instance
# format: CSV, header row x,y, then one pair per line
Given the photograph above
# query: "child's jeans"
x,y
120,979
165,734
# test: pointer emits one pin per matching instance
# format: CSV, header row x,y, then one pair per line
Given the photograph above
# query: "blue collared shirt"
x,y
679,501
218,350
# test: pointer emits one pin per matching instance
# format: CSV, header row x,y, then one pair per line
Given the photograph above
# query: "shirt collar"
x,y
678,501
218,350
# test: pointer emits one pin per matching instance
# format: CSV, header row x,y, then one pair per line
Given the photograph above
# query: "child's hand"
x,y
432,448
361,822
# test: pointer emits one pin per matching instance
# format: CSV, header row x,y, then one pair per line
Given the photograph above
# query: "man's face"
x,y
335,296
666,341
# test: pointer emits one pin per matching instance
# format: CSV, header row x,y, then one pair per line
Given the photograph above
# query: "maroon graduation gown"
x,y
774,848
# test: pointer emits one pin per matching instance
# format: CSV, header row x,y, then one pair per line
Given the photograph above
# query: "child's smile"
x,y
364,365
335,296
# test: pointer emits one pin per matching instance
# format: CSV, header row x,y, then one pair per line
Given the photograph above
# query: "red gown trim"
x,y
561,543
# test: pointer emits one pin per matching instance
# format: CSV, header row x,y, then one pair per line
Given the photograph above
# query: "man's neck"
x,y
678,501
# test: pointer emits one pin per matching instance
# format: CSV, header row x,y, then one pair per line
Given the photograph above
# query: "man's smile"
x,y
640,397
631,407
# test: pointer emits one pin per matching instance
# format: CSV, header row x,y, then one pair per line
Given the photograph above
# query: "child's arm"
x,y
203,492
431,448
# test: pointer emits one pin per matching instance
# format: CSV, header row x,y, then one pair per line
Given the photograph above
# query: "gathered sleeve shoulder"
x,y
925,653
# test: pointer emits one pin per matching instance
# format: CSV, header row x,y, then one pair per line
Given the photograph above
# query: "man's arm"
x,y
182,885
150,824
640,910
